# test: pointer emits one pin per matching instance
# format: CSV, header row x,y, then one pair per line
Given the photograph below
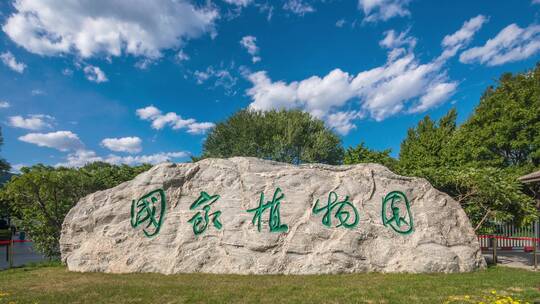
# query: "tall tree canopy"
x,y
5,175
426,145
287,136
4,165
478,163
504,130
42,195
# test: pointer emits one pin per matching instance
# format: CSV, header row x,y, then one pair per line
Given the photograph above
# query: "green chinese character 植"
x,y
274,220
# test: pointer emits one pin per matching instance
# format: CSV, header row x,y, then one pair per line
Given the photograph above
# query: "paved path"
x,y
23,253
515,259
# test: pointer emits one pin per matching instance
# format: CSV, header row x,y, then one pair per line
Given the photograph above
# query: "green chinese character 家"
x,y
199,221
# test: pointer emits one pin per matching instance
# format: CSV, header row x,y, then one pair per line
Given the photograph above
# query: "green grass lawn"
x,y
54,284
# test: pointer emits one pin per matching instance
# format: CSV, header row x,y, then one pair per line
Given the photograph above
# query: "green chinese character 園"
x,y
274,220
199,221
344,211
149,210
396,212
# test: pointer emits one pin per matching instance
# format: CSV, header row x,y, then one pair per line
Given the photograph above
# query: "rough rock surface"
x,y
98,235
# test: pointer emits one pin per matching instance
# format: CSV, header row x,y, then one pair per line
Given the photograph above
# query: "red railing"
x,y
14,241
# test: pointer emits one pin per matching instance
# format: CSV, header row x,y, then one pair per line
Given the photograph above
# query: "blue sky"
x,y
131,81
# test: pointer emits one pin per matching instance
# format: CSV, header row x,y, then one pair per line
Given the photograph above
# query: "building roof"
x,y
530,178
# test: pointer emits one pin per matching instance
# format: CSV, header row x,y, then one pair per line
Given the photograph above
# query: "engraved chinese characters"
x,y
149,211
396,212
274,218
200,222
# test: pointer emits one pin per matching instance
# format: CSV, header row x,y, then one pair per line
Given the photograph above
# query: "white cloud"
x,y
512,43
401,85
243,3
173,120
82,157
199,127
31,122
342,122
465,34
60,140
144,63
437,93
37,92
250,44
4,104
392,40
95,74
123,144
266,8
148,113
382,10
67,72
456,41
9,60
182,56
17,168
221,78
109,28
298,7
340,22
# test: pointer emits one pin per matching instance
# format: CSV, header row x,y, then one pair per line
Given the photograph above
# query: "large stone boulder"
x,y
251,216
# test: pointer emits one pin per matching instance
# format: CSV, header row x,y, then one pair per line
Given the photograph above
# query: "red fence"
x,y
508,243
14,241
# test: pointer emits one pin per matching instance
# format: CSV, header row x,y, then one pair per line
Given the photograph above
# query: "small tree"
x,y
286,136
362,154
42,196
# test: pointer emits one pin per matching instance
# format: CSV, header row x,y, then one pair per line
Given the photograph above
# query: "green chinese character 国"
x,y
149,210
396,212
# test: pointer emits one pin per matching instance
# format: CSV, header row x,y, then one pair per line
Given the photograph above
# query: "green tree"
x,y
42,195
4,165
286,136
362,154
426,146
4,176
486,192
504,130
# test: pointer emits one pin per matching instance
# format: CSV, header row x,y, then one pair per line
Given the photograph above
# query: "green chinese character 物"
x,y
397,214
274,220
200,222
149,209
341,212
